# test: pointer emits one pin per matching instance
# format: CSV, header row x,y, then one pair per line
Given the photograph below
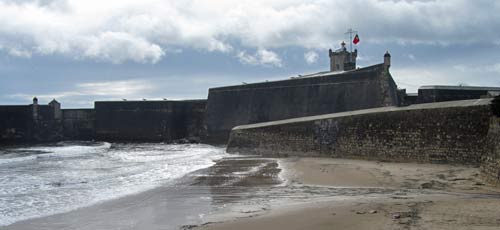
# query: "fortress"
x,y
346,112
314,94
344,88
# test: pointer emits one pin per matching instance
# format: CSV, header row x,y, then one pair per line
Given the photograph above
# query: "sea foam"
x,y
44,180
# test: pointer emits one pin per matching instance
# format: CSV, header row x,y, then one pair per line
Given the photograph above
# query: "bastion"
x,y
315,94
458,132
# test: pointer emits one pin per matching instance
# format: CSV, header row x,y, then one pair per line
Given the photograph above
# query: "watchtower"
x,y
342,60
387,61
56,106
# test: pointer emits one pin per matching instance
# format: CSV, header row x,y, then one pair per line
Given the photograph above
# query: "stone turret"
x,y
387,60
342,60
35,109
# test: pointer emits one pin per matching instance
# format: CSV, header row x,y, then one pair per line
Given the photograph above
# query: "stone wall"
x,y
324,93
16,124
495,106
20,124
149,120
78,124
447,132
491,166
47,127
440,93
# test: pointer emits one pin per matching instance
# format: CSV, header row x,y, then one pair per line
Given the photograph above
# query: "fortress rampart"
x,y
78,124
317,94
149,120
458,132
153,121
30,123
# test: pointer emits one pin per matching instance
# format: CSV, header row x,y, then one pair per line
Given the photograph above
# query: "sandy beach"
x,y
426,196
299,193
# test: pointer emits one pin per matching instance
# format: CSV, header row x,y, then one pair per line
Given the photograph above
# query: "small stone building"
x,y
342,60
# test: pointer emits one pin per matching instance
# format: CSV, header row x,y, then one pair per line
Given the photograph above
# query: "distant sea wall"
x,y
16,123
440,93
324,93
149,120
123,121
78,124
458,132
29,123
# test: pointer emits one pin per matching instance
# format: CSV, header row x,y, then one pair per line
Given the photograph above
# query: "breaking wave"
x,y
44,180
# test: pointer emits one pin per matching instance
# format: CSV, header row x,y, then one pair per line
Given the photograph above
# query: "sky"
x,y
81,51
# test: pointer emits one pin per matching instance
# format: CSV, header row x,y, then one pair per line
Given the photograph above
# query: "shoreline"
x,y
170,206
427,196
248,192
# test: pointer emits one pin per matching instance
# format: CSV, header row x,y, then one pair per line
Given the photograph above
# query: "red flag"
x,y
356,39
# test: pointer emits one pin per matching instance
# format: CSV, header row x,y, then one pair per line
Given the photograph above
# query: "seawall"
x,y
16,124
491,165
78,124
21,124
435,132
149,120
458,132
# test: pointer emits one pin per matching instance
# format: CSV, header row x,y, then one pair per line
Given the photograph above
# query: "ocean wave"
x,y
56,179
62,150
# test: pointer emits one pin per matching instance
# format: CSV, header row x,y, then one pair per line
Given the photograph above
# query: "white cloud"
x,y
144,31
311,57
119,47
19,53
115,88
109,89
261,57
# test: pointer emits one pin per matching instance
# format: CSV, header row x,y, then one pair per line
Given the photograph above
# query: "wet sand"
x,y
299,193
425,196
185,202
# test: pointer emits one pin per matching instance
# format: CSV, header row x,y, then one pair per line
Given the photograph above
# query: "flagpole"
x,y
350,40
350,32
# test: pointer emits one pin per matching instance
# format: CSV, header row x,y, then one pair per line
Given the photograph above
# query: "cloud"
x,y
19,53
261,57
115,88
482,69
413,77
143,31
311,57
112,90
119,47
